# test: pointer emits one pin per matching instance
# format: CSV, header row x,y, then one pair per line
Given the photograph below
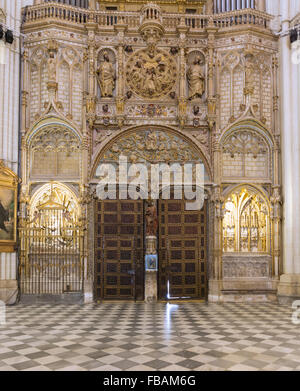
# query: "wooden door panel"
x,y
119,250
182,251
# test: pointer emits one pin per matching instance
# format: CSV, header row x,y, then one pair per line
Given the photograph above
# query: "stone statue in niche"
x,y
51,67
196,79
106,76
151,219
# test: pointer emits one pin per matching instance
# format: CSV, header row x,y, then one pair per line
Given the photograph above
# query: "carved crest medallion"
x,y
151,74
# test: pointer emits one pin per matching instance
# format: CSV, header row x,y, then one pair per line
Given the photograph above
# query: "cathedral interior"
x,y
213,83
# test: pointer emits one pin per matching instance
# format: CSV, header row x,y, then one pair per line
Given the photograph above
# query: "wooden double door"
x,y
120,250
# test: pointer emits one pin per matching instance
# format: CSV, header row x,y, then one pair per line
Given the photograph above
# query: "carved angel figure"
x,y
106,76
196,79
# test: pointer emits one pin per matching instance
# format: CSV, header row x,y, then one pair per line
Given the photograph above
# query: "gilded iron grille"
x,y
51,259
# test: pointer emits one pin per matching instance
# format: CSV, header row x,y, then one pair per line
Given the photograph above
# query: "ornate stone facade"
x,y
160,85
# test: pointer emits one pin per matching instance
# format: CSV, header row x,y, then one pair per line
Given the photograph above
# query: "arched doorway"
x,y
120,238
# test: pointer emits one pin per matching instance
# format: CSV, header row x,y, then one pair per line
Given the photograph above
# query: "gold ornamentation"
x,y
8,208
151,75
246,223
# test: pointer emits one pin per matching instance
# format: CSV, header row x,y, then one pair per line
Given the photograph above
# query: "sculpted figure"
x,y
51,68
196,79
151,220
106,77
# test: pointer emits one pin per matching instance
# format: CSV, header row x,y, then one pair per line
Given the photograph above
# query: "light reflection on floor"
x,y
157,337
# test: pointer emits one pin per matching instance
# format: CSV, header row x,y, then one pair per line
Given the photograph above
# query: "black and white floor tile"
x,y
150,337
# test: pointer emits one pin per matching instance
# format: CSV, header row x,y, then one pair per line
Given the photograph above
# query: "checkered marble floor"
x,y
133,336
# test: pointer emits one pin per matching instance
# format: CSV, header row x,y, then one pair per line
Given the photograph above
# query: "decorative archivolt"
x,y
246,223
55,195
55,138
245,142
246,154
55,151
151,146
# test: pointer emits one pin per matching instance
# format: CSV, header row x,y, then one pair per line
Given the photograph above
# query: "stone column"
x,y
151,272
289,286
215,284
9,129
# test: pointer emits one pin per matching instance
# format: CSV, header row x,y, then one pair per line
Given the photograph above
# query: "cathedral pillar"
x,y
216,275
289,286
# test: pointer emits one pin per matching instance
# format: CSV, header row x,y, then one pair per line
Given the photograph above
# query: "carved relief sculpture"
x,y
151,74
106,76
151,220
52,68
196,79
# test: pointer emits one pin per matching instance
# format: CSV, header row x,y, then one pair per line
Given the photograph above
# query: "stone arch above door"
x,y
150,144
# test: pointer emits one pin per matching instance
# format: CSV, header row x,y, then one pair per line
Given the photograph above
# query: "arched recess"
x,y
58,194
52,245
38,79
247,152
246,222
150,144
53,150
